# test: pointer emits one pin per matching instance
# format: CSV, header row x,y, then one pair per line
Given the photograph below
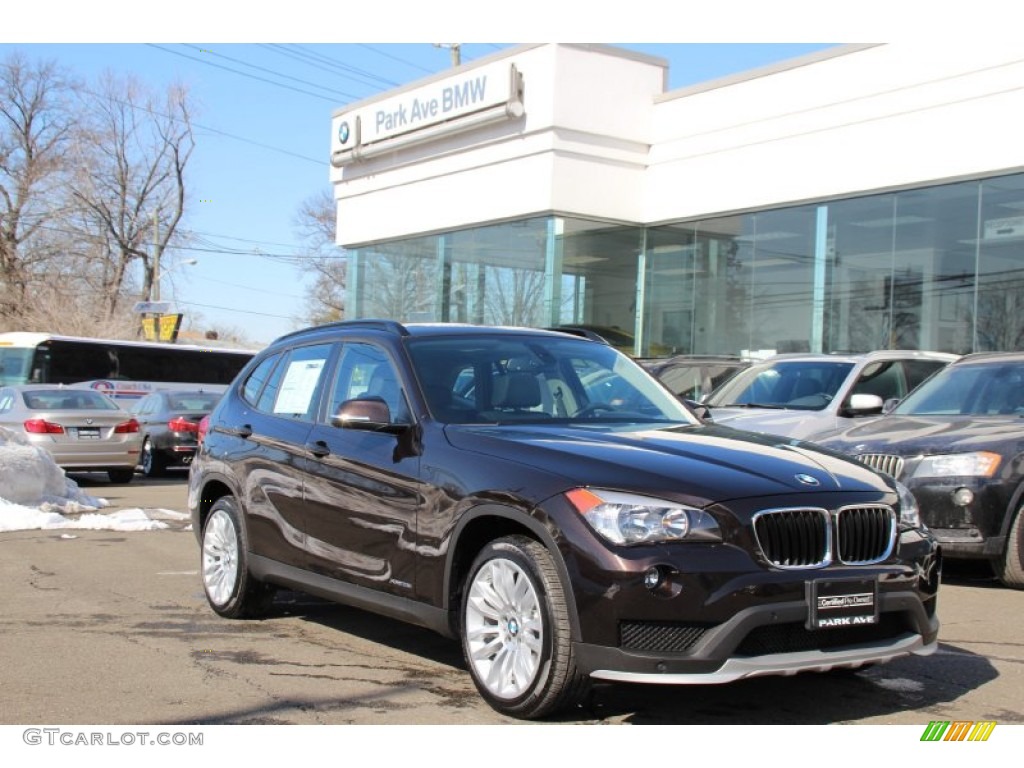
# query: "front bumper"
x,y
723,614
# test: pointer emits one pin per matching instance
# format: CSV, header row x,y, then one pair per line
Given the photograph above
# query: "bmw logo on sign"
x,y
343,133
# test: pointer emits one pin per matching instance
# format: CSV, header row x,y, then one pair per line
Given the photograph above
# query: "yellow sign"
x,y
169,325
161,327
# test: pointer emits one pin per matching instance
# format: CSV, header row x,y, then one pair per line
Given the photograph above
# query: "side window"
x,y
254,384
917,371
367,371
882,379
295,384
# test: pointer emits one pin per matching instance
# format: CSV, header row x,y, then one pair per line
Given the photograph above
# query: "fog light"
x,y
963,496
653,578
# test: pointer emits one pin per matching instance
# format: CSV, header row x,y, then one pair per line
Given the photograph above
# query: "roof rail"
x,y
392,326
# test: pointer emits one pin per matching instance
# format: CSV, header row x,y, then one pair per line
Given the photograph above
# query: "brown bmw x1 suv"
x,y
543,499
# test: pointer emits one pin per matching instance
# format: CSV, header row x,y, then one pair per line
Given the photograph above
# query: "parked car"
x,y
957,442
83,430
169,420
805,395
561,536
613,335
692,377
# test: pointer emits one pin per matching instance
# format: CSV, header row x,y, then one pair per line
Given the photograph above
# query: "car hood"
x,y
787,421
918,435
697,464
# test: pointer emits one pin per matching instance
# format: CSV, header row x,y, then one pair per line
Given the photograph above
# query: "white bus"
x,y
121,369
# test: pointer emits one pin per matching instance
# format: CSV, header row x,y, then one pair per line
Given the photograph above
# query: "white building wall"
x,y
580,149
869,119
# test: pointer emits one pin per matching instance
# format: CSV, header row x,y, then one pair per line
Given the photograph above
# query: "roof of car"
x,y
418,329
990,357
855,357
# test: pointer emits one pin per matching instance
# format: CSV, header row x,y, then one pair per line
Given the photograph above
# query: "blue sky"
x,y
263,124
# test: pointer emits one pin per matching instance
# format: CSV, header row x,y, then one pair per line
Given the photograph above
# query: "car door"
x,y
264,434
362,493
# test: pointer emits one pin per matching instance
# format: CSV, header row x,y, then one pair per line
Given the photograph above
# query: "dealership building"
x,y
863,197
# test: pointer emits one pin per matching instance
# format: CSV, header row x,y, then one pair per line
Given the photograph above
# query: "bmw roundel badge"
x,y
343,132
807,479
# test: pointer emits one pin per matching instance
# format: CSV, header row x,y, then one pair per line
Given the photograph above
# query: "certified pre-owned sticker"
x,y
842,603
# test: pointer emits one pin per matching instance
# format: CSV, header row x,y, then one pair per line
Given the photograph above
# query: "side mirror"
x,y
371,414
864,405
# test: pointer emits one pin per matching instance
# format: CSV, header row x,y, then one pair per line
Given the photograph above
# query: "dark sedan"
x,y
958,443
170,427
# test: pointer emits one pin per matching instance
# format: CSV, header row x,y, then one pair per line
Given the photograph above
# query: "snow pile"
x,y
35,494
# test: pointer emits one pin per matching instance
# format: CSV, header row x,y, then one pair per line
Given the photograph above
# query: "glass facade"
x,y
939,268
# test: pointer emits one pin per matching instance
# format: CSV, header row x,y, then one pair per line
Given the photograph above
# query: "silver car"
x,y
83,430
808,395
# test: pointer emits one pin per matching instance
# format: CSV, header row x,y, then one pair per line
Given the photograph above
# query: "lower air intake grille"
x,y
660,636
795,638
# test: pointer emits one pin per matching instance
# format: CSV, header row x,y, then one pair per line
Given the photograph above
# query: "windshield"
x,y
513,378
988,389
14,365
797,384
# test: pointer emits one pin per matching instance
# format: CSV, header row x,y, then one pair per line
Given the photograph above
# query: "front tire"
x,y
1010,566
230,589
515,630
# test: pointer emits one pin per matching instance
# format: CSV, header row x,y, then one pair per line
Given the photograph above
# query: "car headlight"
x,y
910,515
625,518
978,464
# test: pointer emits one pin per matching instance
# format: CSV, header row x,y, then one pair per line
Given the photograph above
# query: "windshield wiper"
x,y
750,405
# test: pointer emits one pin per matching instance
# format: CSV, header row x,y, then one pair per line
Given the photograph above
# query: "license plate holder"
x,y
836,603
88,433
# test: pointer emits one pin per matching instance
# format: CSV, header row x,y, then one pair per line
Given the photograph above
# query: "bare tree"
x,y
315,225
133,189
36,132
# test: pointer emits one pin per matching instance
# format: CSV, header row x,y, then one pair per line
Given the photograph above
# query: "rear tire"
x,y
121,476
1009,567
230,589
153,463
515,630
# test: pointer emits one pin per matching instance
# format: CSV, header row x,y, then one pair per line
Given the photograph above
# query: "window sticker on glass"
x,y
298,386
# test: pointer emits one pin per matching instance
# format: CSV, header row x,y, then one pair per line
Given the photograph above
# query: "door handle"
x,y
318,449
243,431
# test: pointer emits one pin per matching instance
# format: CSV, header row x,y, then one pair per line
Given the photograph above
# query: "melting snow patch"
x,y
899,685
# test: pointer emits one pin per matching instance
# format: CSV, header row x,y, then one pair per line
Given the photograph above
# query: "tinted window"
x,y
917,371
366,371
254,384
295,384
504,379
806,385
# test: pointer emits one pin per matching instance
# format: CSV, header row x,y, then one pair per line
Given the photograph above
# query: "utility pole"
x,y
154,286
455,48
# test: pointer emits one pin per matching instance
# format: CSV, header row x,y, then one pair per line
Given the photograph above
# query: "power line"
x,y
396,58
204,127
270,71
327,64
243,74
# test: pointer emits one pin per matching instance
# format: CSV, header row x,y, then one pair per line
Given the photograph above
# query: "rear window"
x,y
55,400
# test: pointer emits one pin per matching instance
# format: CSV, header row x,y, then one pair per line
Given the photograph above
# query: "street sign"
x,y
151,307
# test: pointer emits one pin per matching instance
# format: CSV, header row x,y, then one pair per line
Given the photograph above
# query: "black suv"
x,y
548,502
